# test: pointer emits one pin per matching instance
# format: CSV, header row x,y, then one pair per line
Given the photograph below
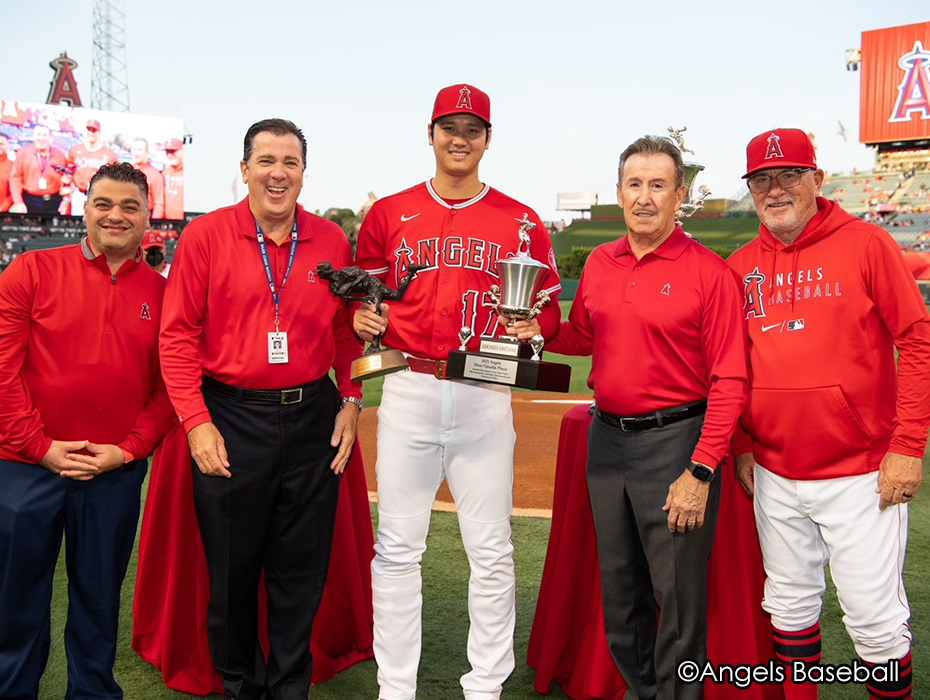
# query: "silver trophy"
x,y
519,295
690,205
507,360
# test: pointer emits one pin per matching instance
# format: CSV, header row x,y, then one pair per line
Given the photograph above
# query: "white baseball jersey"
x,y
460,243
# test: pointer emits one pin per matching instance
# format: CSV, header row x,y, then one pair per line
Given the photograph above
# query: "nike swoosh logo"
x,y
408,218
765,329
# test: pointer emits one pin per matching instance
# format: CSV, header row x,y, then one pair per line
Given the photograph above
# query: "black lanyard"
x,y
263,248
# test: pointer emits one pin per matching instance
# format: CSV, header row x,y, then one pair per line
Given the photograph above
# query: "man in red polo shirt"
x,y
37,176
83,407
660,314
249,336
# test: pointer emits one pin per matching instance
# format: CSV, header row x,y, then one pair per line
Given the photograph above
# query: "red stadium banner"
x,y
895,92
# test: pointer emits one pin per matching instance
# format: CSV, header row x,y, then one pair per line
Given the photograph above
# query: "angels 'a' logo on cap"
x,y
464,99
774,148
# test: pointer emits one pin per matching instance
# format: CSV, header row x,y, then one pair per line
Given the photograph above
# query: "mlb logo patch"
x,y
796,325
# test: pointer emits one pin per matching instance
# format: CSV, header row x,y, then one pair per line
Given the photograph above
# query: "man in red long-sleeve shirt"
x,y
249,335
36,182
661,315
836,432
83,405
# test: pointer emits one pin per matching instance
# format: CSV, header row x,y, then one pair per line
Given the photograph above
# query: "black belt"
x,y
279,396
656,419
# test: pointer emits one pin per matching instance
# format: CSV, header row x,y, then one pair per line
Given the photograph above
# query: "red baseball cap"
x,y
780,148
174,145
462,99
153,239
93,124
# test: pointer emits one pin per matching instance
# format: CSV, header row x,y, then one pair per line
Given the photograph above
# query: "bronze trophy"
x,y
354,284
508,360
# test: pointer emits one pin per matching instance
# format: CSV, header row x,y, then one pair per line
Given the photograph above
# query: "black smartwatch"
x,y
702,473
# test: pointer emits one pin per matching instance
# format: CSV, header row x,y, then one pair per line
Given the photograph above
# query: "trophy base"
x,y
509,371
378,364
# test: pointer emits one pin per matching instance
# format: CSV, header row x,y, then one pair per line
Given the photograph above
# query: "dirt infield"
x,y
537,417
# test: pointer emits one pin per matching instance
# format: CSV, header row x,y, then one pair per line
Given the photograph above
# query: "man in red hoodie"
x,y
832,448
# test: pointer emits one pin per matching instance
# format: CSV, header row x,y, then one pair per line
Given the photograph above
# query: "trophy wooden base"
x,y
378,364
510,371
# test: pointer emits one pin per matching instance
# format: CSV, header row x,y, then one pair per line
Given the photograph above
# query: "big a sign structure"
x,y
895,91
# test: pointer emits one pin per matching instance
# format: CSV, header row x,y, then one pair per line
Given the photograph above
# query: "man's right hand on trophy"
x,y
522,329
367,323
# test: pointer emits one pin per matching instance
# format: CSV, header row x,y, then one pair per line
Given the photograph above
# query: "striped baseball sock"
x,y
897,689
801,645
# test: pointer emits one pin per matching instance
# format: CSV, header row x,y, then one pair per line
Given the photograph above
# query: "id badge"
x,y
43,183
277,348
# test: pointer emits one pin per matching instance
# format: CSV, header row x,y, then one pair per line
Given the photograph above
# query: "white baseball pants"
x,y
802,526
429,429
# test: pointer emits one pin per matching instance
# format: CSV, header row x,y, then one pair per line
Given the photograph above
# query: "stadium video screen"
x,y
59,148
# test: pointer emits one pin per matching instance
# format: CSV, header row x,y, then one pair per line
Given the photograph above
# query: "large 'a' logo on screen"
x,y
914,90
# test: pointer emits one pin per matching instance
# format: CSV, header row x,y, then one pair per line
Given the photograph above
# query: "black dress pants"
x,y
276,513
644,567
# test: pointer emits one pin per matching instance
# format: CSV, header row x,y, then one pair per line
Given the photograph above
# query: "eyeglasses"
x,y
787,179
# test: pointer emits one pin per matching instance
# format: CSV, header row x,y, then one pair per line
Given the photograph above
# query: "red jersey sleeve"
x,y
153,423
179,341
904,313
723,338
20,422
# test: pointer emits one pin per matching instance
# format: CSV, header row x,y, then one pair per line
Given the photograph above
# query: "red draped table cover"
x,y
567,643
172,587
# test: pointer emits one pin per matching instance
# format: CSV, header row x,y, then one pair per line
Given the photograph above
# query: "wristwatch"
x,y
353,399
701,473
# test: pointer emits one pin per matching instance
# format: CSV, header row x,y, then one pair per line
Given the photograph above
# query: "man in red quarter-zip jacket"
x,y
834,431
83,405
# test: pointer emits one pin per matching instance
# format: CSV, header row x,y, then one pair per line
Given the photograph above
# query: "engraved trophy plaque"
x,y
354,284
507,360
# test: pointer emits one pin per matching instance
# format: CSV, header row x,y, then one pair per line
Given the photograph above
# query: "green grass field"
x,y
445,576
726,233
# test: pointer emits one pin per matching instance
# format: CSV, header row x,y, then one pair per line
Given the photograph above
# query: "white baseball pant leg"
x,y
802,526
428,429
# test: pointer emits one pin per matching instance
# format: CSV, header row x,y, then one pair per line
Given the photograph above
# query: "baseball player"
x,y
174,179
86,158
139,151
429,428
836,432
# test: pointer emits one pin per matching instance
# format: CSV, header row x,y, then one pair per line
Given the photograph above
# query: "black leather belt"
x,y
656,419
279,396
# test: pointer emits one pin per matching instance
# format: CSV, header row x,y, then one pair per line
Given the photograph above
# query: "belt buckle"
x,y
441,366
289,396
622,422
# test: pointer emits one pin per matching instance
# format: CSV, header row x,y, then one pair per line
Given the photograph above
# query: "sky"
x,y
571,83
